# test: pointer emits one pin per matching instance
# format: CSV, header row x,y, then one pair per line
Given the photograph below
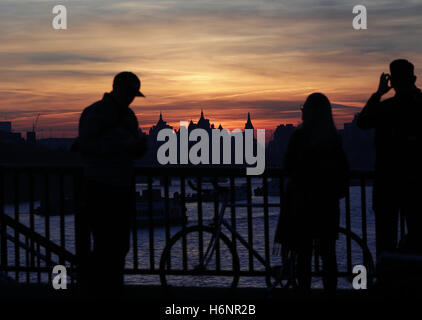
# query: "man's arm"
x,y
90,139
138,147
369,115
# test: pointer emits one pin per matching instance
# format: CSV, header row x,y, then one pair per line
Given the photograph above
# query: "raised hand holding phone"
x,y
384,85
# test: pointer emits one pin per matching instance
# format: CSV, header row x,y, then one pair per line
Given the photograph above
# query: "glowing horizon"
x,y
226,57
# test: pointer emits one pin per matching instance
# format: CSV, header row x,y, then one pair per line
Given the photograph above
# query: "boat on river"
x,y
158,216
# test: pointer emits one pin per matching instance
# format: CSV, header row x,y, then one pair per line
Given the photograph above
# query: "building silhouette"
x,y
7,136
5,126
358,144
278,144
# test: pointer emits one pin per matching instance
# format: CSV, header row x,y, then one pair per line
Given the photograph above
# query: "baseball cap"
x,y
129,80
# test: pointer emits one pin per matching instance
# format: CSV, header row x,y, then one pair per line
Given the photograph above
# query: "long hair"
x,y
318,119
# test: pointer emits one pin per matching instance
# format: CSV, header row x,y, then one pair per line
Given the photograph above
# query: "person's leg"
x,y
386,228
385,203
109,211
121,218
103,236
304,263
329,270
91,206
412,210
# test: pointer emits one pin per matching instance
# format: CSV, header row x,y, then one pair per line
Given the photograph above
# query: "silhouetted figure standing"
x,y
317,172
397,122
109,141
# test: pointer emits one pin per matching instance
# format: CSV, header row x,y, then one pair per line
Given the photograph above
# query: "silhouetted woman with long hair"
x,y
317,172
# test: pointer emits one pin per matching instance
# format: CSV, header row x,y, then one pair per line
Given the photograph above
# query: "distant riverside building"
x,y
10,137
277,146
62,144
6,126
203,123
6,134
31,137
358,145
161,124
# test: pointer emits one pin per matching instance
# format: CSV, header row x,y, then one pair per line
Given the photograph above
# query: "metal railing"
x,y
34,239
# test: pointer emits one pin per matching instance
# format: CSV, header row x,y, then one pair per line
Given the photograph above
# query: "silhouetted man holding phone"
x,y
109,141
397,188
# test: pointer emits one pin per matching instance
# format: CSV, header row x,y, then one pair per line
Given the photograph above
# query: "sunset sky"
x,y
228,57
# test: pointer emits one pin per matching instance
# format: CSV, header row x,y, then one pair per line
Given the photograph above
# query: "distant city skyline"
x,y
202,121
358,144
51,132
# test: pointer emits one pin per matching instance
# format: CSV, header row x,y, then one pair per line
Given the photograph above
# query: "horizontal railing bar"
x,y
150,272
196,171
182,272
255,205
242,273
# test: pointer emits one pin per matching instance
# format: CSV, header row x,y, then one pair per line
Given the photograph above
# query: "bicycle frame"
x,y
222,222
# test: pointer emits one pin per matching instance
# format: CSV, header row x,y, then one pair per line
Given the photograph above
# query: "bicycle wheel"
x,y
191,260
284,276
368,261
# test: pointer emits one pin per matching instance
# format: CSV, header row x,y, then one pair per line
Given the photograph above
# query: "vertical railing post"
x,y
363,210
167,215
31,215
17,218
82,234
151,224
184,222
217,244
233,210
62,214
134,224
3,240
266,220
47,213
200,218
348,228
250,226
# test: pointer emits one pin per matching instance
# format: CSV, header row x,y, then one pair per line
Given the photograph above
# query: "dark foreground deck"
x,y
197,295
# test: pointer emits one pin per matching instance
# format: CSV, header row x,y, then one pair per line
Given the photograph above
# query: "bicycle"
x,y
200,247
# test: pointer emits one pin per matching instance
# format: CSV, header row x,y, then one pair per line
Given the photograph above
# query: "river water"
x,y
208,213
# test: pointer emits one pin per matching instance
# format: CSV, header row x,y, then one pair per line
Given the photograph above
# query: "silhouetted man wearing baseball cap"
x,y
109,141
397,188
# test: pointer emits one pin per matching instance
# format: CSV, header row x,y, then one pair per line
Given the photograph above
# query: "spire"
x,y
202,114
248,124
161,123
